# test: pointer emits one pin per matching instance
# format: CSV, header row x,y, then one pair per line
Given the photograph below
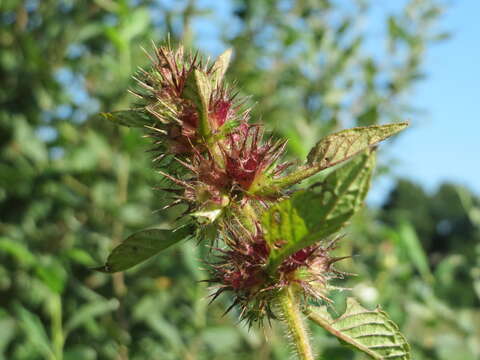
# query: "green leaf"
x,y
371,332
408,241
332,150
312,215
90,311
52,273
342,145
220,66
77,352
130,118
7,324
34,331
198,89
17,250
141,246
397,32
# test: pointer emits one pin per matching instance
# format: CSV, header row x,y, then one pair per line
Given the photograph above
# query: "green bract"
x,y
198,89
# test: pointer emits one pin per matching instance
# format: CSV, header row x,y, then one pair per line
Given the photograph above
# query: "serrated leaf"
x,y
342,145
198,89
345,189
312,215
332,150
141,246
220,66
369,331
130,118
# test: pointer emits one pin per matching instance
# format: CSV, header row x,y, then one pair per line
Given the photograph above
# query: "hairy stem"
x,y
294,321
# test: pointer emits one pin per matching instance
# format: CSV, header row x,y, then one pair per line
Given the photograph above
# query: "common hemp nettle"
x,y
271,240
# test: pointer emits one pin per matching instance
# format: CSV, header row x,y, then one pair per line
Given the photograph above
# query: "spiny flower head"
x,y
203,125
240,269
248,159
215,181
166,94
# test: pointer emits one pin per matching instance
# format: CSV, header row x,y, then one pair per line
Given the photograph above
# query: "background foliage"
x,y
72,185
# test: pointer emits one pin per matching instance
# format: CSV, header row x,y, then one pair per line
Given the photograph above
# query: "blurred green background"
x,y
72,186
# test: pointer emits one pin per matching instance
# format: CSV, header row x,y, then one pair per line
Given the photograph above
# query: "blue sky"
x,y
444,144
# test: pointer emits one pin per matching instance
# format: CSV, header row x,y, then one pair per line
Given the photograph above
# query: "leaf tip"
x,y
103,269
404,124
227,54
106,115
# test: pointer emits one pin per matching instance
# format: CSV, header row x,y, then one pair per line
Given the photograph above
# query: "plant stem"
x,y
294,321
119,287
57,334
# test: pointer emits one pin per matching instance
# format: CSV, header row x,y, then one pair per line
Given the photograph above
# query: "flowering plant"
x,y
271,241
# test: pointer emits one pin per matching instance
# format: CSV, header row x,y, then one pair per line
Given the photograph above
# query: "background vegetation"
x,y
72,186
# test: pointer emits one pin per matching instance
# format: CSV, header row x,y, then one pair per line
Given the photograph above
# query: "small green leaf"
x,y
9,329
18,251
52,273
141,246
397,32
407,240
332,150
199,89
130,118
371,332
312,215
35,331
220,66
342,145
90,311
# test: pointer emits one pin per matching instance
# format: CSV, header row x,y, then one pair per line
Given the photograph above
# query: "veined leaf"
x,y
312,215
369,331
198,89
344,190
220,66
332,150
141,246
130,118
342,145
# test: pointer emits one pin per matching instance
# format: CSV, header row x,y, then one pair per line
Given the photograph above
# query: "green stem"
x,y
58,338
294,321
274,188
248,217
